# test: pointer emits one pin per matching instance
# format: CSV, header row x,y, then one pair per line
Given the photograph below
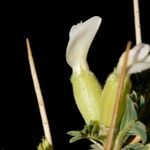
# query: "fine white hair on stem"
x,y
137,21
39,96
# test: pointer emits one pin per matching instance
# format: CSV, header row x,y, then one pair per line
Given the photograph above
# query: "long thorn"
x,y
137,21
39,95
122,77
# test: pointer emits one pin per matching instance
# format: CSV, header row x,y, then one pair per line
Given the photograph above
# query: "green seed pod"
x,y
108,97
87,92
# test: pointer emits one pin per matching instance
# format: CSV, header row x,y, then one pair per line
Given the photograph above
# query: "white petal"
x,y
138,59
81,37
138,67
138,53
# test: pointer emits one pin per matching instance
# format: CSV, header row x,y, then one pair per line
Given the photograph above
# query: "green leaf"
x,y
137,146
138,100
76,136
129,126
142,102
139,129
92,131
74,133
130,113
124,133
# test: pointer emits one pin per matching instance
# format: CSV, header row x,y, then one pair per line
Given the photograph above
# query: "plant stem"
x,y
136,139
117,145
122,77
137,21
39,95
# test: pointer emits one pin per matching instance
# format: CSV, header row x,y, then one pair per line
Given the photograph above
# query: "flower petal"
x,y
81,37
138,59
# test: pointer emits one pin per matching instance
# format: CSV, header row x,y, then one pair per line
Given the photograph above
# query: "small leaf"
x,y
136,146
95,128
123,134
134,95
139,101
92,131
76,136
139,129
74,133
130,113
142,102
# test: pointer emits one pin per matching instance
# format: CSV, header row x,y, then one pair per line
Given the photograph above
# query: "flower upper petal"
x,y
80,39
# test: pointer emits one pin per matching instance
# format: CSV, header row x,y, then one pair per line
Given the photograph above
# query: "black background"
x,y
47,26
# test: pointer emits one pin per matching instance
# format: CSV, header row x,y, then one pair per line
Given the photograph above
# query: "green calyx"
x,y
87,93
108,98
95,103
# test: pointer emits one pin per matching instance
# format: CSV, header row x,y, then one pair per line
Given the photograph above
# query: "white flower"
x,y
138,59
86,88
80,39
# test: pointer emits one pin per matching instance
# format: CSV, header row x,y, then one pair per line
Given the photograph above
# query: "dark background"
x,y
47,26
